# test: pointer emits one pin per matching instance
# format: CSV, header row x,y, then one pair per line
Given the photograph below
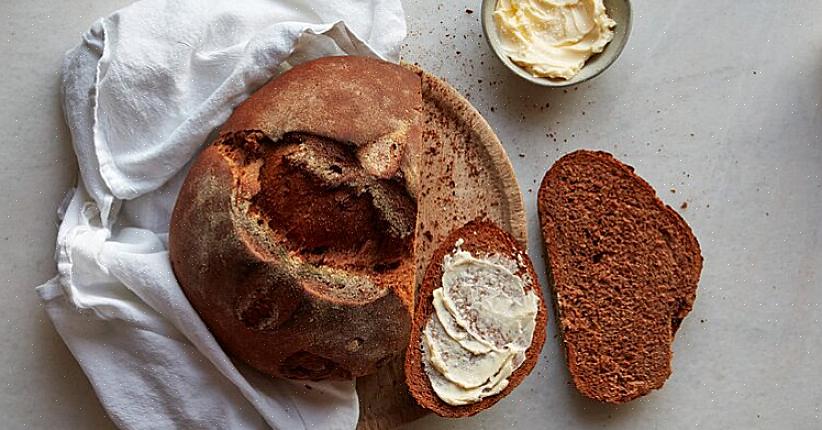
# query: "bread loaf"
x,y
483,240
293,234
625,269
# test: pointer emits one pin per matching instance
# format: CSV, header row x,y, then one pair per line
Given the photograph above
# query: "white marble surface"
x,y
717,100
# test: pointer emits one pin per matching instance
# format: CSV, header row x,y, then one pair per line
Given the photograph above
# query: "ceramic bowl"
x,y
618,10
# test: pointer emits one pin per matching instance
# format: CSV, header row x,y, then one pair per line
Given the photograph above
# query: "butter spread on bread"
x,y
482,325
479,323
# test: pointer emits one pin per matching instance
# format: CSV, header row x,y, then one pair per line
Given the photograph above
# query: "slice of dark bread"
x,y
480,238
624,268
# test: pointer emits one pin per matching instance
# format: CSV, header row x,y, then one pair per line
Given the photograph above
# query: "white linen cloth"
x,y
142,93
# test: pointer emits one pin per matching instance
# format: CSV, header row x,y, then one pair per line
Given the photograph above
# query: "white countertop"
x,y
716,104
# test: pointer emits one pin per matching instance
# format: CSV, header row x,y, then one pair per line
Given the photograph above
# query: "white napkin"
x,y
142,93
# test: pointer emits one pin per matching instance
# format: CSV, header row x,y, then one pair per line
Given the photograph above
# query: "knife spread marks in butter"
x,y
482,324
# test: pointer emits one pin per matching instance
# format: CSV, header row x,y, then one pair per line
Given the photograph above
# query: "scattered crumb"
x,y
684,205
702,321
469,11
521,155
673,190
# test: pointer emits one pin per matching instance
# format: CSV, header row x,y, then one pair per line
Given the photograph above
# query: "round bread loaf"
x,y
293,234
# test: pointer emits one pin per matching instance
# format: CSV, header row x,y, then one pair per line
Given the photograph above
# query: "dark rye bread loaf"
x,y
625,269
293,234
481,238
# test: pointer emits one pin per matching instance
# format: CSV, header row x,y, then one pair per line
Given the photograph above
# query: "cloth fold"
x,y
142,93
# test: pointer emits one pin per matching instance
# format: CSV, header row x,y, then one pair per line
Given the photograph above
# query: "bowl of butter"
x,y
557,43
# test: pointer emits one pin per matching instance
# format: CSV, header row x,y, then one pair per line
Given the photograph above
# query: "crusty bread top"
x,y
481,238
625,269
361,101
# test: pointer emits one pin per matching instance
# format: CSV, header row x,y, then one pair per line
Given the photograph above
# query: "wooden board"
x,y
465,173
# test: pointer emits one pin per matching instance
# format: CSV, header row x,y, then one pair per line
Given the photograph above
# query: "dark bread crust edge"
x,y
480,238
550,254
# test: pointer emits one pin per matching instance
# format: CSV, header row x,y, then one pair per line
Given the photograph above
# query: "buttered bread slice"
x,y
479,323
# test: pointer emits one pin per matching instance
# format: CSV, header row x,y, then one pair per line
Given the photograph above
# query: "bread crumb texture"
x,y
625,269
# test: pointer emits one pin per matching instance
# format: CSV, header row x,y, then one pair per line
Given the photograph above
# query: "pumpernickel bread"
x,y
484,240
293,234
624,268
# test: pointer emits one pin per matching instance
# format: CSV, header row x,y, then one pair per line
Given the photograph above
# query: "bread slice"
x,y
625,269
480,238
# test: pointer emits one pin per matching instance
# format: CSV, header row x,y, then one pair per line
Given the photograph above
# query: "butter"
x,y
488,300
482,324
459,365
457,396
454,330
552,38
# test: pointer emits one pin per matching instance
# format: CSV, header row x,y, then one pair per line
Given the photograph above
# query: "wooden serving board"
x,y
465,174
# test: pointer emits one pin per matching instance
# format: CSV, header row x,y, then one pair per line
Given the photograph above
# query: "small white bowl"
x,y
618,10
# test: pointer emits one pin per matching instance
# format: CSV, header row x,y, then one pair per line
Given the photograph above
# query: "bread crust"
x,y
295,245
624,269
362,101
481,238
